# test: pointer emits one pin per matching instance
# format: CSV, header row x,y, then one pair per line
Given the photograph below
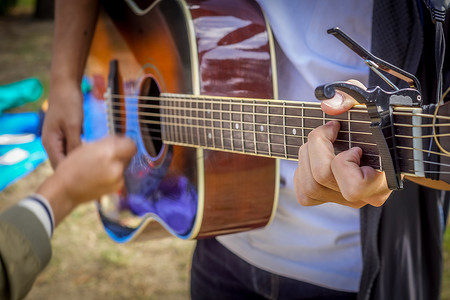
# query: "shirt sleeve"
x,y
41,208
25,250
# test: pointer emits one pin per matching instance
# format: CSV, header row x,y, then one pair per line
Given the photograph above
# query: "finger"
x,y
359,183
124,148
341,102
73,138
321,153
317,194
309,191
54,146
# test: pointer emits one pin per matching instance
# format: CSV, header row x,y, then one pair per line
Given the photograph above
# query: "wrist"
x,y
65,78
55,191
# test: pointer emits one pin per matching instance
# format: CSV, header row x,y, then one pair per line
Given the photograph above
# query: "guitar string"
x,y
232,140
211,111
441,100
265,103
231,129
210,120
264,124
272,115
314,106
294,157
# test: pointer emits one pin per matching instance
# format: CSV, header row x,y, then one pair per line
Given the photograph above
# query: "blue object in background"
x,y
95,124
27,122
19,123
18,93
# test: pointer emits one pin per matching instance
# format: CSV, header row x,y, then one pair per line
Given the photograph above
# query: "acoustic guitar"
x,y
194,84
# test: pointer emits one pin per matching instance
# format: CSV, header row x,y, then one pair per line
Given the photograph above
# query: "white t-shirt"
x,y
319,244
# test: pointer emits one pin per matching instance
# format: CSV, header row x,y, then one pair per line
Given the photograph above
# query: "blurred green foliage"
x,y
5,5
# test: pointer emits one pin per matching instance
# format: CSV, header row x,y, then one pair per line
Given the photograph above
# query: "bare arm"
x,y
74,28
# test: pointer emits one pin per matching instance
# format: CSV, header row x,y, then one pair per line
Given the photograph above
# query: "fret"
x,y
233,126
260,129
195,126
276,135
349,130
356,132
183,121
303,123
294,121
237,126
254,126
221,124
242,126
226,123
172,120
284,130
313,118
205,121
175,120
248,127
217,125
211,124
189,120
208,135
268,130
201,122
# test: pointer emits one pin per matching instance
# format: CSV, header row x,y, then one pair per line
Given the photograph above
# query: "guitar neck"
x,y
270,128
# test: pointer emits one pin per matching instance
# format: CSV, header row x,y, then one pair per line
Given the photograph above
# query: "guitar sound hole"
x,y
149,117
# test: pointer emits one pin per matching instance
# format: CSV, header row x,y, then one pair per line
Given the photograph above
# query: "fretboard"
x,y
269,128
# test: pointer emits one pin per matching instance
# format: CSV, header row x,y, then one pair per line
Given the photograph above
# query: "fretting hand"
x,y
324,177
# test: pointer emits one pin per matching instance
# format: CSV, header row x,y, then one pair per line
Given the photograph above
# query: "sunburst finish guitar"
x,y
194,84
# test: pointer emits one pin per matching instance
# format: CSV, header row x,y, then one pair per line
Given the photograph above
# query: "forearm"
x,y
74,28
55,193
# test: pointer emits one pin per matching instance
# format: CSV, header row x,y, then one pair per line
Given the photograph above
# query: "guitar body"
x,y
218,48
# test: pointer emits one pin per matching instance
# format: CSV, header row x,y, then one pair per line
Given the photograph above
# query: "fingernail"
x,y
335,102
331,123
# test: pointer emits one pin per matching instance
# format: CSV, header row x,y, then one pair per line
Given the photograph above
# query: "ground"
x,y
86,264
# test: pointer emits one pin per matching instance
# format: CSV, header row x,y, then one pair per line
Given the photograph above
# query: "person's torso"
x,y
318,244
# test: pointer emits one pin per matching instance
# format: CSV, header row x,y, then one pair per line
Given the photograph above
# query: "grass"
x,y
445,293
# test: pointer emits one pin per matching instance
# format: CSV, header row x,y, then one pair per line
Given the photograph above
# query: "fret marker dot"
x,y
261,128
236,126
209,135
294,131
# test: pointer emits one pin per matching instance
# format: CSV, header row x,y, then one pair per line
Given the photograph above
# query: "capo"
x,y
379,104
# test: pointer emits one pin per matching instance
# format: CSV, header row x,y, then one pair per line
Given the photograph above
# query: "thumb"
x,y
341,102
124,147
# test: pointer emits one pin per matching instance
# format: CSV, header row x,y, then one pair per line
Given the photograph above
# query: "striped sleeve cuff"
x,y
42,209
